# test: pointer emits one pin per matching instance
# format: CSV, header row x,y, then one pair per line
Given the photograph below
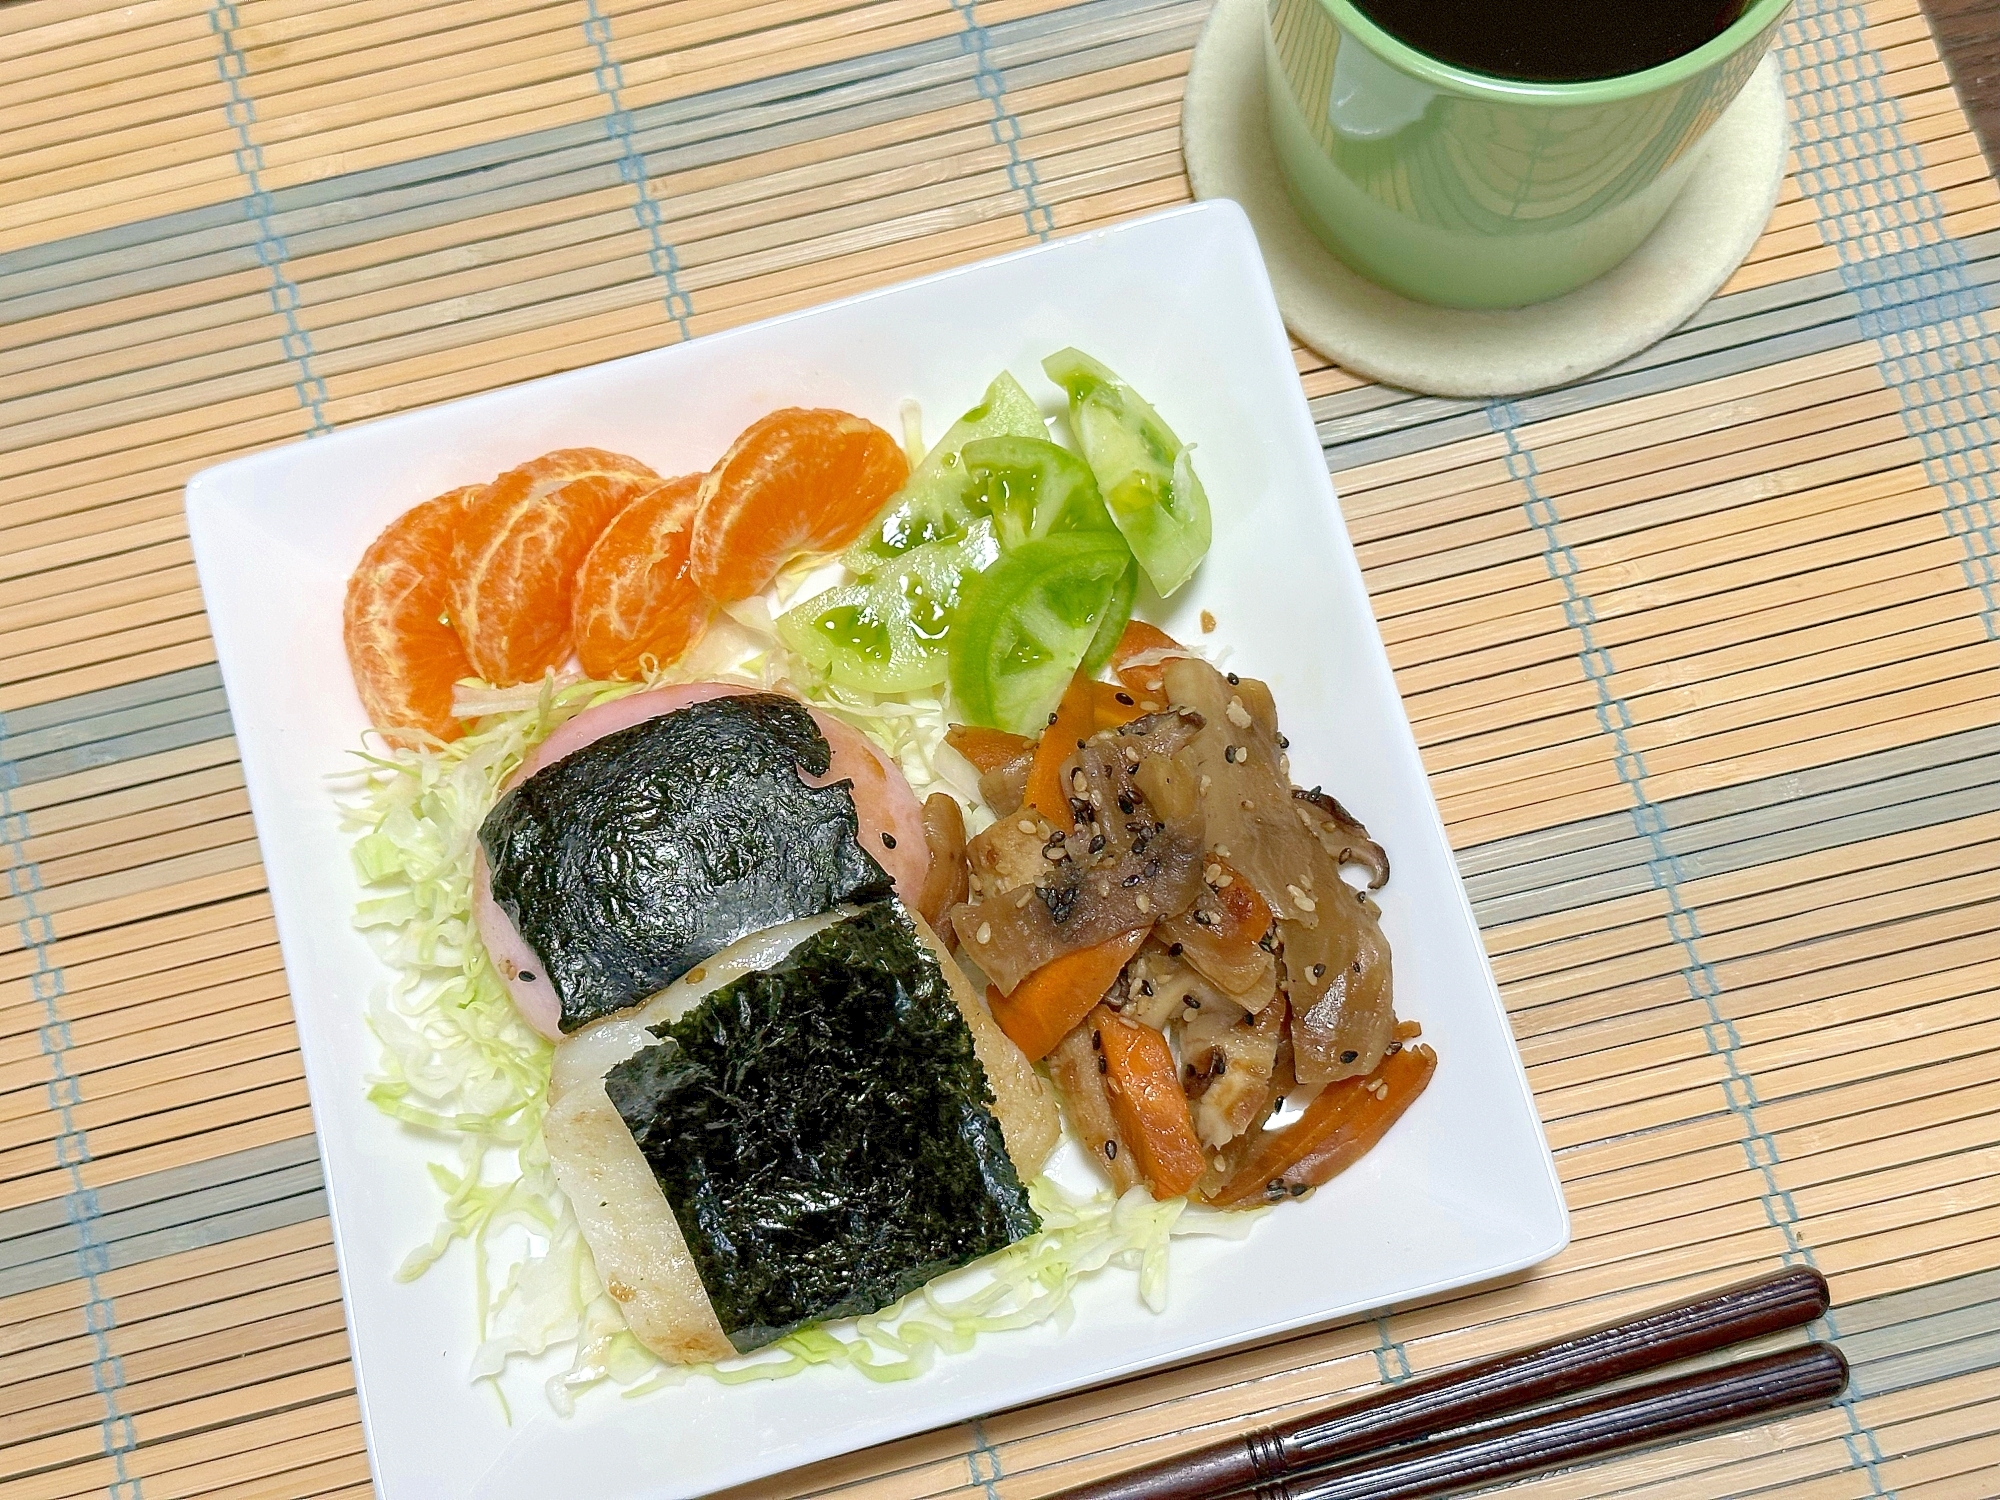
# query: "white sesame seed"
x,y
1248,805
697,974
1206,782
1024,898
1238,714
1145,903
1026,825
1224,882
985,933
1305,903
1212,874
1220,852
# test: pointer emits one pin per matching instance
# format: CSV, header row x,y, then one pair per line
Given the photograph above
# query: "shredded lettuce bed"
x,y
459,1066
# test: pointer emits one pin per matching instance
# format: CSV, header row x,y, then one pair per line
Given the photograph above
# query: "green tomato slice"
x,y
1032,488
1026,623
935,502
1117,614
888,633
1143,471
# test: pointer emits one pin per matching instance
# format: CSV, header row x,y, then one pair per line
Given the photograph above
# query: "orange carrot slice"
x,y
1147,682
1147,1102
1336,1130
1046,1006
1112,705
987,749
1074,722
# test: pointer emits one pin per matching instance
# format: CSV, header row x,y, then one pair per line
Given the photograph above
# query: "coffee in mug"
x,y
1553,41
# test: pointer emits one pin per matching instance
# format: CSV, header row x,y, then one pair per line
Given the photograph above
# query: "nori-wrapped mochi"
x,y
823,1132
631,860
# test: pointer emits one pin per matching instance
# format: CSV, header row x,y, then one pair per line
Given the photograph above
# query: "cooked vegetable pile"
x,y
1164,919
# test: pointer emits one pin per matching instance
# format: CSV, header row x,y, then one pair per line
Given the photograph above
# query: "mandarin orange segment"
x,y
634,596
514,570
798,481
404,654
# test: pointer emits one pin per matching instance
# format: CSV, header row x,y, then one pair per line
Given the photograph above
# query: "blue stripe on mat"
x,y
80,1207
1614,716
632,167
983,1462
242,113
1917,300
1006,129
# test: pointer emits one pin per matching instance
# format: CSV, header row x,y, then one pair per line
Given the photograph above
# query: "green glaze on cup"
x,y
1469,191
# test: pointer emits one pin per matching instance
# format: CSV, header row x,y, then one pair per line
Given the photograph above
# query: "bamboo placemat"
x,y
1704,654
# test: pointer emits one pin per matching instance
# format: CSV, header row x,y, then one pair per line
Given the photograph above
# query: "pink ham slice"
x,y
883,805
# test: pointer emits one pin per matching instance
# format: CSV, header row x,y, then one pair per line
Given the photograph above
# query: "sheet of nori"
x,y
628,862
823,1132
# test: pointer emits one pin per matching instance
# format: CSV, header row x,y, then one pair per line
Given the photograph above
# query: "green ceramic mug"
x,y
1470,191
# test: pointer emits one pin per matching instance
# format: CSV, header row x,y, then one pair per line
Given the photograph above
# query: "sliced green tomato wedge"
x,y
934,503
1032,488
1116,615
1142,469
888,633
1026,624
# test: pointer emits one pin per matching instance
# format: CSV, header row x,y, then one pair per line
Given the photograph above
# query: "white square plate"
x,y
1462,1190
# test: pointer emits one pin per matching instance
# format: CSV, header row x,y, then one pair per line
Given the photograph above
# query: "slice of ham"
x,y
889,817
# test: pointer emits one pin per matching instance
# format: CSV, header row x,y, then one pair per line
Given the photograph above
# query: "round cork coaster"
x,y
1457,352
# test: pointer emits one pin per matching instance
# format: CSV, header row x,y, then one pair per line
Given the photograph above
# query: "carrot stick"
x,y
1147,1102
1074,722
987,749
1336,1130
1045,1006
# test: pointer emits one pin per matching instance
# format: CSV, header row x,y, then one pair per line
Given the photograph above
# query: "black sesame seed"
x,y
1348,1056
1145,986
1124,698
525,977
1299,1190
1221,1065
1097,1041
1234,679
1111,1151
1283,743
1174,949
1097,844
1319,971
1052,719
888,841
1103,1066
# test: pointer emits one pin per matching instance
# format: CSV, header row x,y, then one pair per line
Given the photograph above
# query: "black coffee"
x,y
1553,41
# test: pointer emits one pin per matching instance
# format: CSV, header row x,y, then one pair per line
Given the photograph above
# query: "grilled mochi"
x,y
817,1121
632,859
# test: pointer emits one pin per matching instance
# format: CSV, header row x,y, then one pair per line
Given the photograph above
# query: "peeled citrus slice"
x,y
634,598
514,570
404,654
795,482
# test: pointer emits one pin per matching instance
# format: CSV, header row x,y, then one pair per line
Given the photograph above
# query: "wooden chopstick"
x,y
1678,1407
1480,1391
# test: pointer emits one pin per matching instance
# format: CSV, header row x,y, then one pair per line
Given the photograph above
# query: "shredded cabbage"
x,y
459,1065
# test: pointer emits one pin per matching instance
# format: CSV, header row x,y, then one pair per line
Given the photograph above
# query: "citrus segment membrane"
x,y
635,597
515,564
796,482
403,652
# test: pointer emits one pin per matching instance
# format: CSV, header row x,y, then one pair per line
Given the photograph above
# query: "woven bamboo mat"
x,y
1704,654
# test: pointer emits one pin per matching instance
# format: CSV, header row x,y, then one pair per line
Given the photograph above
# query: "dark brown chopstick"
x,y
1480,1391
1680,1407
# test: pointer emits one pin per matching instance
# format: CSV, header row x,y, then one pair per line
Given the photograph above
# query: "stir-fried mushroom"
x,y
944,837
1124,867
1223,935
1341,834
1335,960
1229,1065
1158,988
